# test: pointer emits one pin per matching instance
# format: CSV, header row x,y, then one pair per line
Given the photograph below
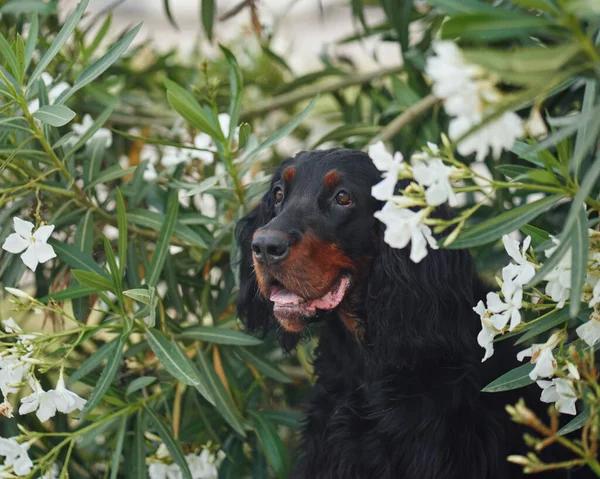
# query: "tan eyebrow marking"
x,y
288,174
332,178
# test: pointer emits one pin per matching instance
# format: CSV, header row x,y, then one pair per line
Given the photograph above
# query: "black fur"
x,y
405,401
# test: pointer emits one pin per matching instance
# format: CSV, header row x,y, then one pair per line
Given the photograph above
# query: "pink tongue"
x,y
284,298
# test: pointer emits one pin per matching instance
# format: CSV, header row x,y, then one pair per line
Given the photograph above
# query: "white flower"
x,y
433,173
202,140
485,338
16,455
561,392
202,466
53,93
542,357
35,245
82,128
172,156
496,135
11,327
525,271
404,226
12,372
470,95
51,473
559,279
593,278
449,70
390,166
590,331
46,403
507,310
150,172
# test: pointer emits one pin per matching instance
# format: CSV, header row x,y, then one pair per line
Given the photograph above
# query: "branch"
x,y
291,98
410,114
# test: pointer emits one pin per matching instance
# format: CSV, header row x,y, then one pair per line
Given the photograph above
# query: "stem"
x,y
410,114
291,98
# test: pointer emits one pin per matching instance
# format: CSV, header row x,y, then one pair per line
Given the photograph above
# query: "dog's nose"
x,y
270,248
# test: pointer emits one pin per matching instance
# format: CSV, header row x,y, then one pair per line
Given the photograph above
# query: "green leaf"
x,y
456,7
172,358
7,52
93,158
114,469
514,379
140,295
502,24
115,272
164,239
93,280
20,55
576,423
523,65
291,419
208,13
122,226
538,236
223,402
167,9
263,366
110,174
398,14
93,361
98,123
588,131
102,64
346,131
271,443
74,258
186,105
579,259
172,444
139,383
544,323
542,5
155,221
106,378
137,465
220,336
237,91
59,41
283,131
504,223
69,293
55,115
95,43
17,7
32,36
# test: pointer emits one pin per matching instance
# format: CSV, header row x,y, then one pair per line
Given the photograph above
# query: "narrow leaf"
x,y
106,378
208,17
550,320
122,226
504,223
579,258
576,423
220,336
139,383
164,239
54,115
110,174
92,362
74,258
172,444
93,280
114,470
263,366
271,443
59,41
32,36
514,379
172,358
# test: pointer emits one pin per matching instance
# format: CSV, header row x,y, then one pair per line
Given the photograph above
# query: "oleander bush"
x,y
123,171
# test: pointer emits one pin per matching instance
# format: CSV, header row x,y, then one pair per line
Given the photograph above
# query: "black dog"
x,y
398,366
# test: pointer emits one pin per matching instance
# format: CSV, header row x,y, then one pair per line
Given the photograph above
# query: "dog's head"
x,y
313,246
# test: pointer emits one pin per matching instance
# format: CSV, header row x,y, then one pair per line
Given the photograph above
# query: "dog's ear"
x,y
417,311
252,307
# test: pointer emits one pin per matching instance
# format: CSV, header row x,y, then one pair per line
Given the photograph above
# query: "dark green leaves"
x,y
271,444
505,223
514,379
208,13
164,239
220,336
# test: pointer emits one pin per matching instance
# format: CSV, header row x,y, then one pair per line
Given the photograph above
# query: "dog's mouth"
x,y
292,310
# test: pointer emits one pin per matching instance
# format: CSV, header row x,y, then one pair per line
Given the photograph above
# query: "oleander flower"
x,y
80,129
35,245
561,392
390,166
16,455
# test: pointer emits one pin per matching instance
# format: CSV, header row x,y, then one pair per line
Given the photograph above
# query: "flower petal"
x,y
43,233
30,258
15,244
23,228
44,252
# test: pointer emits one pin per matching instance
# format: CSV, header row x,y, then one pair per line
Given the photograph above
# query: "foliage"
x,y
137,308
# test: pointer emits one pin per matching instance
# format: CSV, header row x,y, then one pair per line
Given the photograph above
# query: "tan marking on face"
x,y
331,178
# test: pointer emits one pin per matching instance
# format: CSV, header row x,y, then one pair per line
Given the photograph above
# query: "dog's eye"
x,y
343,198
278,195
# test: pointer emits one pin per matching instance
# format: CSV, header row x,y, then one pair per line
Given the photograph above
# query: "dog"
x,y
399,372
